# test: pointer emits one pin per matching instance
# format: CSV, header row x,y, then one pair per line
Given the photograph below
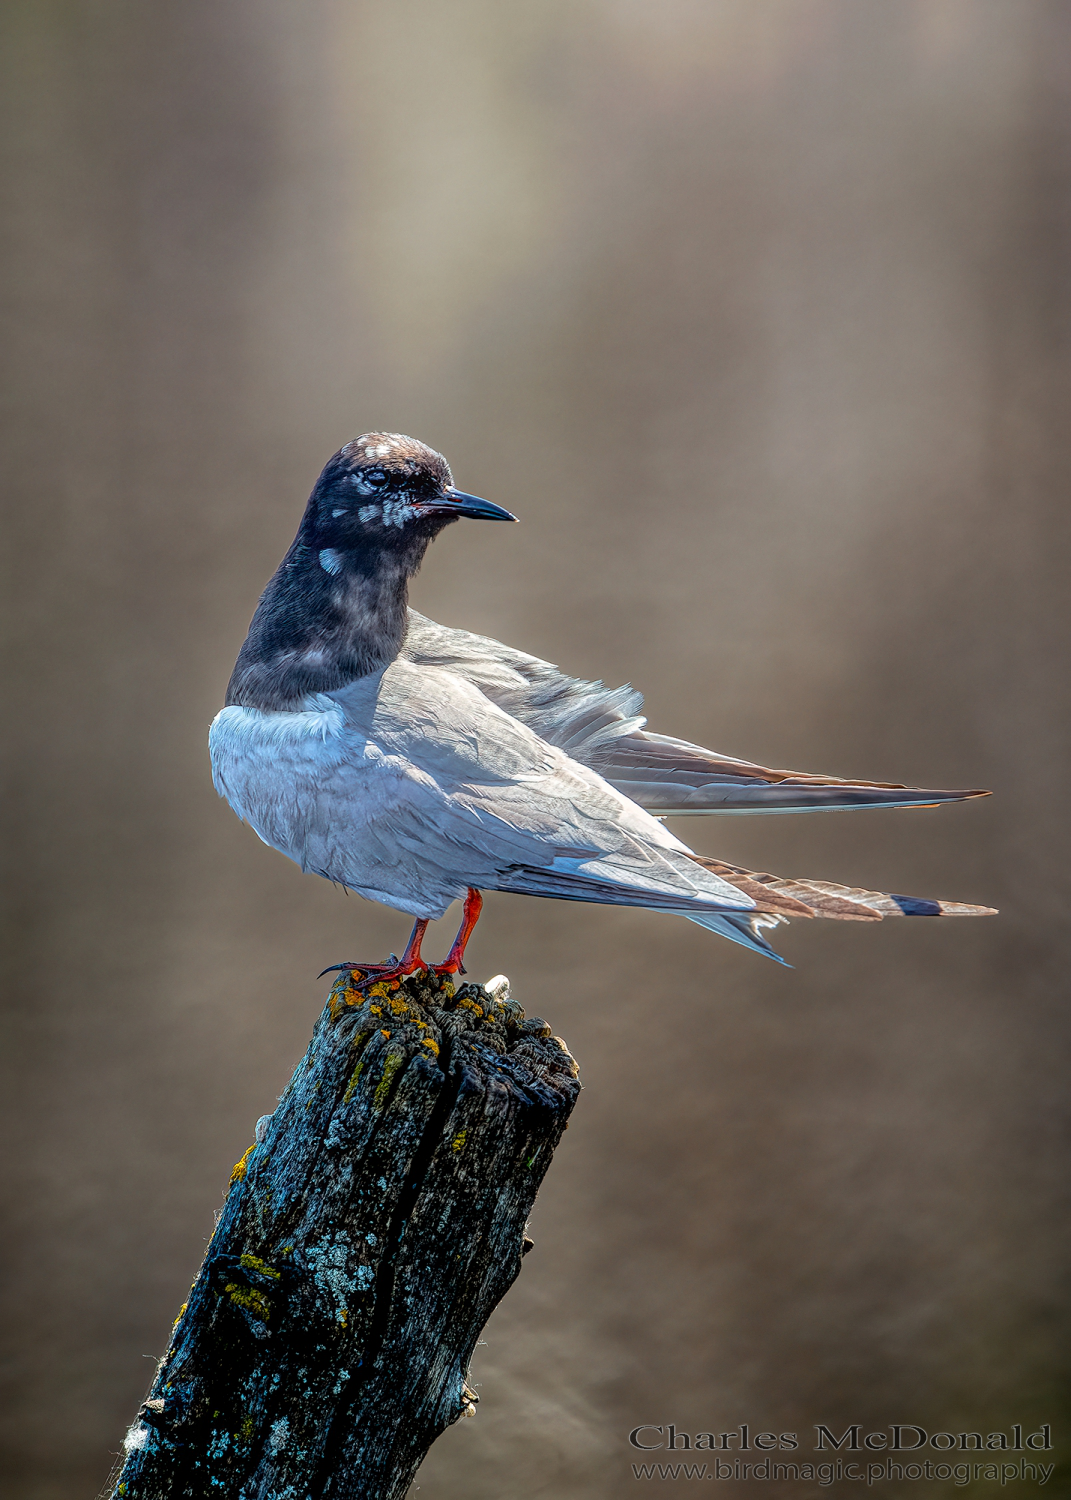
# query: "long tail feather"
x,y
821,898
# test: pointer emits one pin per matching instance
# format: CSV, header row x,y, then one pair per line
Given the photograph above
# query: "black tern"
x,y
418,765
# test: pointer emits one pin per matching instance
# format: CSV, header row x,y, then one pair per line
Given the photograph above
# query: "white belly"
x,y
316,789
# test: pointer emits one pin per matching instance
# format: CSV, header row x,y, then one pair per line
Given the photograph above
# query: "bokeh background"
x,y
757,315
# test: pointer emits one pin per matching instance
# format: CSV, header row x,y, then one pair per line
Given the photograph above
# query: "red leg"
x,y
455,958
398,968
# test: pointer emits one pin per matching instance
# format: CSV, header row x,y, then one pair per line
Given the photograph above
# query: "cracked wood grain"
x,y
366,1238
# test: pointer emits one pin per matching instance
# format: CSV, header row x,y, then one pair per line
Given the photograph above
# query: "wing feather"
x,y
603,728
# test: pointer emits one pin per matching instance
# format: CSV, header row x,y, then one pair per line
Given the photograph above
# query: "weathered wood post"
x,y
366,1237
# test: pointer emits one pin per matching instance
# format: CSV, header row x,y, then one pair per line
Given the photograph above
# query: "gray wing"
x,y
603,728
462,793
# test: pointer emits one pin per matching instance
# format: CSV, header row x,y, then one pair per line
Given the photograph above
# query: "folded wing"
x,y
603,728
436,789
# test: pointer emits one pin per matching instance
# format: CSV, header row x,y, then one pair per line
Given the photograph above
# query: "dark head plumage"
x,y
336,608
386,490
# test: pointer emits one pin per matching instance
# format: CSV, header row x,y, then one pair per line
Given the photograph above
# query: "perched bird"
x,y
417,765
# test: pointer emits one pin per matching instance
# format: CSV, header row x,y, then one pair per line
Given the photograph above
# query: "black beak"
x,y
457,503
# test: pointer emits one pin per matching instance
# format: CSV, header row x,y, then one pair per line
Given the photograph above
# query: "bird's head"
x,y
335,610
387,492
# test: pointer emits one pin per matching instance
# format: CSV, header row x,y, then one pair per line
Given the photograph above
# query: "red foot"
x,y
389,973
454,959
411,961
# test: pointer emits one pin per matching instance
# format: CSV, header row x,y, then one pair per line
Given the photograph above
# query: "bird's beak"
x,y
457,503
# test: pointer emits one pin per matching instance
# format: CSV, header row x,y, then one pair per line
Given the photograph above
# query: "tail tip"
x,y
918,906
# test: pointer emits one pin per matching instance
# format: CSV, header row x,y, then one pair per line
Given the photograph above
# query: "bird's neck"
x,y
322,622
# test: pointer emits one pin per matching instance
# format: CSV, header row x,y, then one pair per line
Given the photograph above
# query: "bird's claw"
x,y
392,973
367,974
336,969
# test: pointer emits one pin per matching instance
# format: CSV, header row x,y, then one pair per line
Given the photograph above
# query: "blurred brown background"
x,y
757,315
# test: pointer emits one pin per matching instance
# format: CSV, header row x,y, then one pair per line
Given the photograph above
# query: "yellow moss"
x,y
431,1044
398,1006
466,1004
178,1320
381,989
394,1061
242,1167
343,1316
458,1142
253,1301
376,1010
247,1429
254,1263
354,1077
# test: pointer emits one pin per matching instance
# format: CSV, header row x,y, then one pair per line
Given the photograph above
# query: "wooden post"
x,y
366,1237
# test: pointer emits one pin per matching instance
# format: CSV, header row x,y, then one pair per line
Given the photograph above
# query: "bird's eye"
x,y
374,477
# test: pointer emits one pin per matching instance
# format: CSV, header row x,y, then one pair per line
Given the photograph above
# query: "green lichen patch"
x,y
359,1043
247,1298
254,1263
394,1063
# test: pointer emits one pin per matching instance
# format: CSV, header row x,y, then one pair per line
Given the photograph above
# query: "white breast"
x,y
273,768
245,742
317,787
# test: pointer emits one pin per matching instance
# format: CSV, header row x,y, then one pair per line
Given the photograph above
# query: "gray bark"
x,y
365,1239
